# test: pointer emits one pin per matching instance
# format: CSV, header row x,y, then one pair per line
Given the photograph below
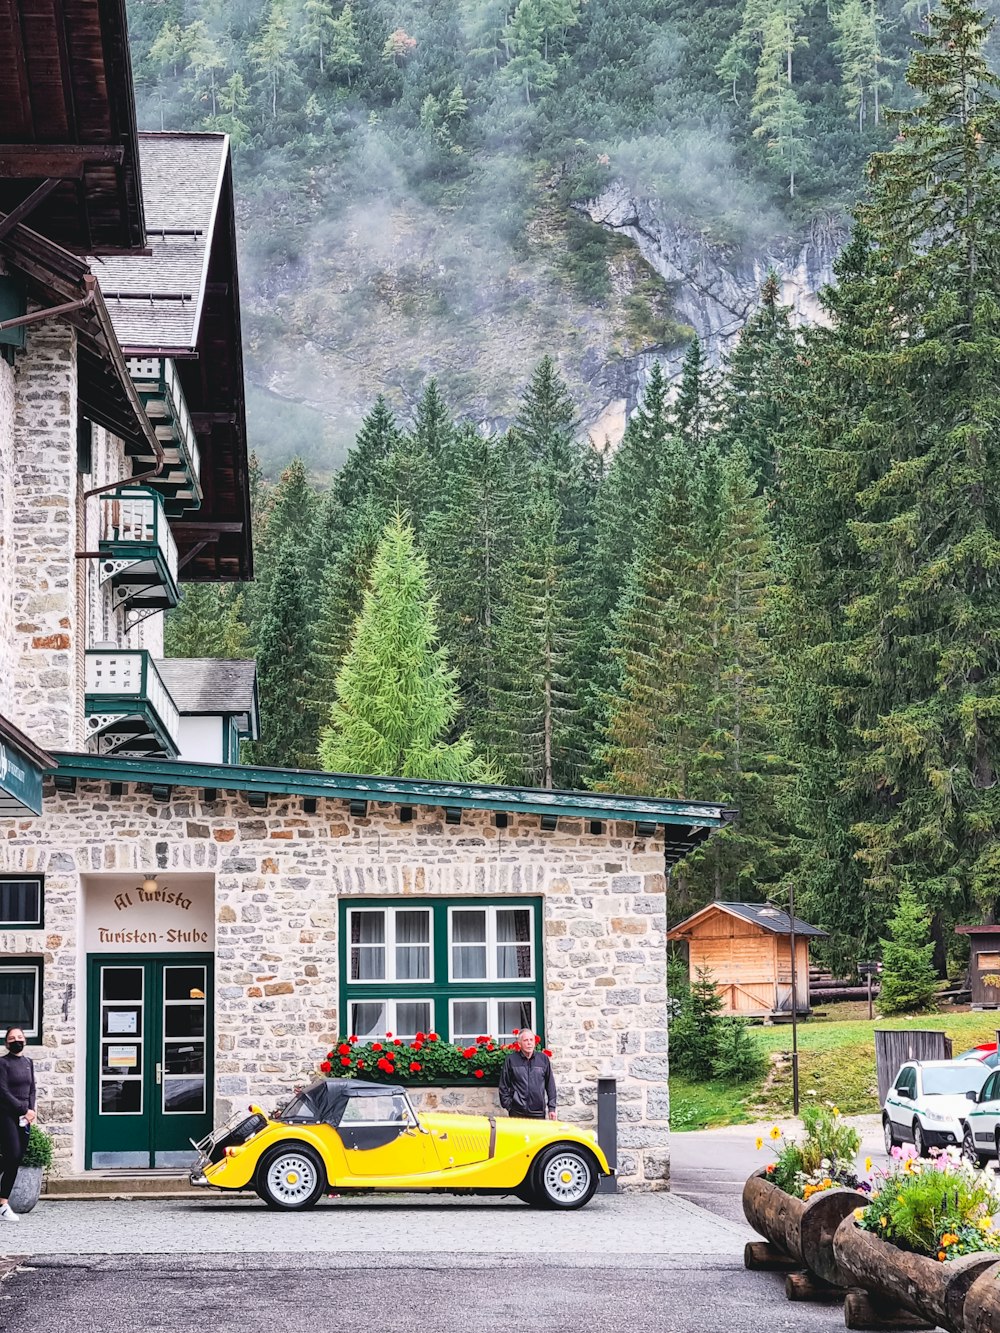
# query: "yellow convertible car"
x,y
342,1135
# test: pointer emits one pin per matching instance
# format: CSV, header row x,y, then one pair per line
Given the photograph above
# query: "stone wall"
x,y
279,875
6,539
47,612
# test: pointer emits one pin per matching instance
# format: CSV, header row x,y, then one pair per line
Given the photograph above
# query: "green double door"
x,y
149,1077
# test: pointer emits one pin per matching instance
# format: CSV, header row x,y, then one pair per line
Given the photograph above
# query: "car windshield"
x,y
953,1080
380,1109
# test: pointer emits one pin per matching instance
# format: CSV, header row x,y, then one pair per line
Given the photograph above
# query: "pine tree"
x,y
760,385
345,46
908,978
207,623
859,54
776,109
696,407
317,29
396,697
282,652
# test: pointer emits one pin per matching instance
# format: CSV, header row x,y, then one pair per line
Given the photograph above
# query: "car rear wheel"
x,y
890,1139
969,1150
564,1177
919,1142
291,1178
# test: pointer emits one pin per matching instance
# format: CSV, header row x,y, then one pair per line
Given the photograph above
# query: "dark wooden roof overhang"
x,y
67,115
55,277
214,542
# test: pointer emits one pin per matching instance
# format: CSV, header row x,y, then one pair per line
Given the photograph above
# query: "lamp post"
x,y
795,1003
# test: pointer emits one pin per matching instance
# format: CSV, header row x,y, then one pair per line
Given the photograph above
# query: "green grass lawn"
x,y
836,1061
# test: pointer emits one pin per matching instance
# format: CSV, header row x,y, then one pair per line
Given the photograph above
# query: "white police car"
x,y
981,1123
928,1104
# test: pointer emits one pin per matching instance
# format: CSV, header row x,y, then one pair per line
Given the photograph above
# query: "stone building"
x,y
179,932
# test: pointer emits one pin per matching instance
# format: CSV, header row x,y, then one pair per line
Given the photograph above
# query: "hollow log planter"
x,y
934,1290
804,1231
982,1305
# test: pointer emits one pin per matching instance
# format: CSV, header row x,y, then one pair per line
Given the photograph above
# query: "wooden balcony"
x,y
138,554
159,388
130,713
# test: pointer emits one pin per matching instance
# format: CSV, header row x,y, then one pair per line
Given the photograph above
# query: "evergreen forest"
x,y
780,592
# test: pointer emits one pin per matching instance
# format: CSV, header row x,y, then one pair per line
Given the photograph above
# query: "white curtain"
x,y
412,1016
470,1020
368,1018
367,946
468,940
513,946
413,946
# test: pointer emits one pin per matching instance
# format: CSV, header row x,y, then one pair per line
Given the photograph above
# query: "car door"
x,y
380,1138
984,1115
899,1104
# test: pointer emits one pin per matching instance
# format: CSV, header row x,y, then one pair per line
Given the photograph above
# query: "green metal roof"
x,y
698,818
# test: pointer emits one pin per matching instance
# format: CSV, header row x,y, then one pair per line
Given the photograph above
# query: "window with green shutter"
x,y
460,967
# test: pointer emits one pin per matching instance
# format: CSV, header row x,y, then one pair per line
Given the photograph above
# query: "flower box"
x,y
982,1305
934,1290
802,1230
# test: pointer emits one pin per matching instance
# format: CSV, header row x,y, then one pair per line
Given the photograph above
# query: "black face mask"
x,y
15,1047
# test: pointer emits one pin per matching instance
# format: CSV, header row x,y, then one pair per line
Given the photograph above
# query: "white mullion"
x,y
491,943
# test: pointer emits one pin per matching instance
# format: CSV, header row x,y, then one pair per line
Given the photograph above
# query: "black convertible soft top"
x,y
329,1096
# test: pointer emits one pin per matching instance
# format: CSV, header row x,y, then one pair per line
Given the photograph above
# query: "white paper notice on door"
x,y
122,1057
122,1022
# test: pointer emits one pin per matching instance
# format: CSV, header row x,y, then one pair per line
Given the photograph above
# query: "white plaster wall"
x,y
201,739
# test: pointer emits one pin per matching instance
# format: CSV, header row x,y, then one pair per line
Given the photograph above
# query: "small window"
x,y
390,943
371,1019
988,962
21,996
903,1080
20,902
499,1019
492,943
989,1092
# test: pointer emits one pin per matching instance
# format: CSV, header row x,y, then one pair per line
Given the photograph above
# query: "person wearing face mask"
x,y
17,1114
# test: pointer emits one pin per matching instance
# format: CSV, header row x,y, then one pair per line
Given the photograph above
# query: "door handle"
x,y
159,1072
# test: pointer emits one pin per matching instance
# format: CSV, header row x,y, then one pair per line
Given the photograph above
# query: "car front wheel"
x,y
565,1177
291,1178
919,1142
890,1139
969,1150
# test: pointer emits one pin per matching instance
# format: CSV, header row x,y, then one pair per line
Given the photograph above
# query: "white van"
x,y
928,1103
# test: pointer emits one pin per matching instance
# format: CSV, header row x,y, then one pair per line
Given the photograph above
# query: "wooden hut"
x,y
984,965
748,950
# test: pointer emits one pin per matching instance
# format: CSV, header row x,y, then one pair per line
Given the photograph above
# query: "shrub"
x,y
39,1149
908,977
941,1208
736,1055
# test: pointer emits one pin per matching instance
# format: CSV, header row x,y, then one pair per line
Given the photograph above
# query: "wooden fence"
x,y
894,1048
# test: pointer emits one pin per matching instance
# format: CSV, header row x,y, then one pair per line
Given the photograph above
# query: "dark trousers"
x,y
517,1114
13,1141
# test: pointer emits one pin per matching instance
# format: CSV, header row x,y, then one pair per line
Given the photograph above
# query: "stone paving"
x,y
642,1228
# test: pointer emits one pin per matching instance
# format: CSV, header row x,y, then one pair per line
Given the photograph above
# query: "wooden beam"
x,y
10,220
65,161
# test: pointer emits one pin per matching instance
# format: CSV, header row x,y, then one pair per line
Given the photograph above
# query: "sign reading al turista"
x,y
175,918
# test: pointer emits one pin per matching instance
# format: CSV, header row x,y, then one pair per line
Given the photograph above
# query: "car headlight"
x,y
939,1118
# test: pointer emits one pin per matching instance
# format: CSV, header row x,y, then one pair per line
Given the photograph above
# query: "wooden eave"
x,y
67,113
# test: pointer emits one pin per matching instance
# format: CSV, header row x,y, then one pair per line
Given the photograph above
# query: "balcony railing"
x,y
159,387
129,709
138,551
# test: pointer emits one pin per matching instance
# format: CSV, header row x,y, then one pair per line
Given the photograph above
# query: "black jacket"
x,y
527,1085
17,1085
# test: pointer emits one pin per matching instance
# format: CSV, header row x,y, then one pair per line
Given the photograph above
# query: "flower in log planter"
x,y
798,1200
924,1237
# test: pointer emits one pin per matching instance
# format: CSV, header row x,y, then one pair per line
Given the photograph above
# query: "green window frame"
x,y
401,976
14,972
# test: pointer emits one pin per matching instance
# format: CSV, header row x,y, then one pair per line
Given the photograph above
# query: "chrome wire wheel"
x,y
291,1179
567,1179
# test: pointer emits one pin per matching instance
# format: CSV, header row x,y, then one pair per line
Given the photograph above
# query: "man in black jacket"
x,y
527,1083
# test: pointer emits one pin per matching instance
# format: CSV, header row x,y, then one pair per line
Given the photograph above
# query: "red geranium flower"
x,y
417,1046
376,1045
432,1036
415,1067
489,1046
388,1035
352,1040
345,1059
478,1073
546,1051
469,1052
515,1031
397,1042
329,1055
481,1041
325,1067
385,1066
360,1064
419,1037
343,1049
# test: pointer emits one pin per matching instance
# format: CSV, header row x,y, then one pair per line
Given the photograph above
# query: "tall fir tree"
x,y
695,411
282,652
208,622
396,696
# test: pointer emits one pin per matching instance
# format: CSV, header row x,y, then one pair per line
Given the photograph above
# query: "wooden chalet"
x,y
747,949
984,965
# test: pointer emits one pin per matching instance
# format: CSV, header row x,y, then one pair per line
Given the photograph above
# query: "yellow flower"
x,y
883,1221
836,1110
760,1144
858,1214
868,1164
775,1133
